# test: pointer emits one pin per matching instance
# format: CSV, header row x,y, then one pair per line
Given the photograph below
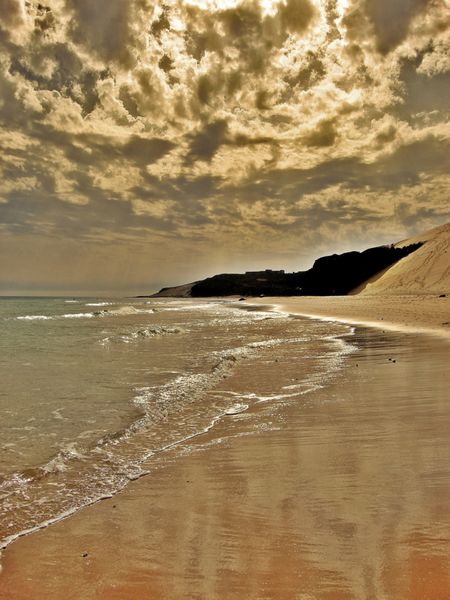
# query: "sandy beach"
x,y
224,300
345,495
408,313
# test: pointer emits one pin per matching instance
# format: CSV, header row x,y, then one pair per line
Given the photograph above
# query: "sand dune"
x,y
405,296
425,271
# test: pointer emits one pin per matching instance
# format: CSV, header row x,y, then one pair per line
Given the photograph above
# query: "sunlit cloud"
x,y
237,126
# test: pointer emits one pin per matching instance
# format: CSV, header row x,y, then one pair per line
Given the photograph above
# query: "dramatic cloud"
x,y
145,142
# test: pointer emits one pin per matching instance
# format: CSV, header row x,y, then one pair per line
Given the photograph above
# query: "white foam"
x,y
128,310
60,517
57,414
16,479
34,318
78,316
99,304
143,396
188,307
142,333
236,409
59,462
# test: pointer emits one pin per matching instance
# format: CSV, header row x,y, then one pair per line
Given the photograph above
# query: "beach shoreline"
x,y
409,314
188,529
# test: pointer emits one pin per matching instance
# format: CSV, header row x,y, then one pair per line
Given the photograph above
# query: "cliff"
x,y
337,274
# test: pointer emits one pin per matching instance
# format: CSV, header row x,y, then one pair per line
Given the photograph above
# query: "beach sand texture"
x,y
342,495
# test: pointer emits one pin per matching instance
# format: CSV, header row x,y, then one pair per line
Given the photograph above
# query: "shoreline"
x,y
209,429
429,315
32,558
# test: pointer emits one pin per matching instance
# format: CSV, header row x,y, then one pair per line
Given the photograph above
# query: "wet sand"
x,y
344,494
413,313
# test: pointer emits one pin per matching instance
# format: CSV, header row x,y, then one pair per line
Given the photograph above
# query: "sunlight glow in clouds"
x,y
204,135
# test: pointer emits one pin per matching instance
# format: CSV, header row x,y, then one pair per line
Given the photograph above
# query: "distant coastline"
x,y
418,265
336,274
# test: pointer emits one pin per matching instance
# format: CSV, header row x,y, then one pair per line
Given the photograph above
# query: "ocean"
x,y
93,391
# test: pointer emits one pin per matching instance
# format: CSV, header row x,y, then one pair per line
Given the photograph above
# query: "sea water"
x,y
91,389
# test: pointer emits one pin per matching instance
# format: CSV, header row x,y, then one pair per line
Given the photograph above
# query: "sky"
x,y
147,143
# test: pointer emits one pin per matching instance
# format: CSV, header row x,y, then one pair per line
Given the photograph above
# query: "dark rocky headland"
x,y
337,274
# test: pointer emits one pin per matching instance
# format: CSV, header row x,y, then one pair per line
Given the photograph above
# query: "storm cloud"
x,y
208,134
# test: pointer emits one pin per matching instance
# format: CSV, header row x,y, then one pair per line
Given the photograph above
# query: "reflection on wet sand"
x,y
342,494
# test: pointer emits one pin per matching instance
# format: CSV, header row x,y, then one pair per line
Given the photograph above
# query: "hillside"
x,y
417,265
426,271
337,274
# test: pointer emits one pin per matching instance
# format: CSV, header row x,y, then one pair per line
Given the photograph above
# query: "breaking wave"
x,y
142,333
34,318
99,304
103,312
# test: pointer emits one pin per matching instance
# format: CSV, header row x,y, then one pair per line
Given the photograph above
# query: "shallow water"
x,y
94,388
341,492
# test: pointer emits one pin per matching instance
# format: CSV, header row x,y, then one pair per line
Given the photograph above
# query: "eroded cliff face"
x,y
337,274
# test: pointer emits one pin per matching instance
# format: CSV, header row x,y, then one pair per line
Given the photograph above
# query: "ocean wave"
x,y
34,318
186,388
99,304
276,342
103,312
187,307
142,333
79,315
129,310
88,315
238,316
59,462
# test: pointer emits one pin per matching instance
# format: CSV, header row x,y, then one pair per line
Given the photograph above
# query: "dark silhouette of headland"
x,y
337,274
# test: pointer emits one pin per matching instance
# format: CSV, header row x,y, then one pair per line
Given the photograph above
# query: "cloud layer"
x,y
170,138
